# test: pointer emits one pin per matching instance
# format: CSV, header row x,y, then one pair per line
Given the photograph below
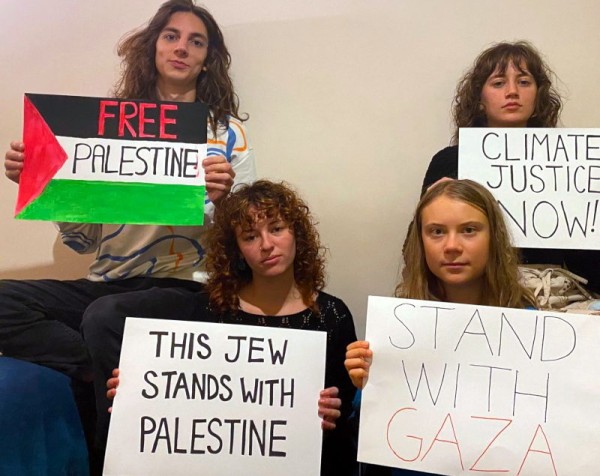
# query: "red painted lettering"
x,y
124,117
408,436
453,442
473,468
145,120
104,115
164,120
545,451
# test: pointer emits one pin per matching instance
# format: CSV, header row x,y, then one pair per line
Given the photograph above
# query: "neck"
x,y
174,93
464,294
272,296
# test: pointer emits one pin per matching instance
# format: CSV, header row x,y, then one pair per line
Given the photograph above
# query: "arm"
x,y
80,237
358,361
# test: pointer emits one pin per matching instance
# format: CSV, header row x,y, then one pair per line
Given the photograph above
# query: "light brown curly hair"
x,y
247,204
138,68
466,110
501,279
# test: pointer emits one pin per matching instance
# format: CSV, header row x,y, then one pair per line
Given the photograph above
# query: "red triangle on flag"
x,y
44,157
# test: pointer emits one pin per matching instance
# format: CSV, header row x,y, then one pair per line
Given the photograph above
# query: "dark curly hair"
x,y
501,279
223,258
466,109
139,75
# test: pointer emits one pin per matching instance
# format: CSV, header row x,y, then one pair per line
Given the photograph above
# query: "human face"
x,y
181,50
456,240
268,247
509,99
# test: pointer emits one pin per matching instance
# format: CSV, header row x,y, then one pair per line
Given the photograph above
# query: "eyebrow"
x,y
467,223
193,35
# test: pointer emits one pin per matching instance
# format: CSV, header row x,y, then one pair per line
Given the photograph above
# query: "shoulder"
x,y
447,153
329,304
443,164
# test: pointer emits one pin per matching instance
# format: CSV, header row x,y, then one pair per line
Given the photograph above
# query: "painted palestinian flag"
x,y
101,160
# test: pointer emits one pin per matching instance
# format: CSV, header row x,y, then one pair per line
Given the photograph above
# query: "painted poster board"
x,y
107,160
457,389
205,398
547,181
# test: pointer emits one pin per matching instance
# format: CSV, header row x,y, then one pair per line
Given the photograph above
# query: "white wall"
x,y
348,101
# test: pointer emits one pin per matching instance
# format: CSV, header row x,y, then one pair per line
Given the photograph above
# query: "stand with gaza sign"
x,y
461,389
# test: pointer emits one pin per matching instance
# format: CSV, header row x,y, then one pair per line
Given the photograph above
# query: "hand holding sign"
x,y
13,163
219,177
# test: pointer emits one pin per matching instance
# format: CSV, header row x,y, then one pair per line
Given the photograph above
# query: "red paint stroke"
x,y
44,157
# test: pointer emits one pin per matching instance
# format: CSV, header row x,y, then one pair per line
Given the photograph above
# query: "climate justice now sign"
x,y
547,182
104,160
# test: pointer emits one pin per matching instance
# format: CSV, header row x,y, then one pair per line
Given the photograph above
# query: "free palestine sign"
x,y
104,160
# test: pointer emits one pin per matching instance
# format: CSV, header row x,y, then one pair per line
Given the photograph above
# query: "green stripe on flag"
x,y
118,202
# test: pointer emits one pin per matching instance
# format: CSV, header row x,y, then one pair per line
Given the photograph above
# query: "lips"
x,y
511,105
454,265
271,260
178,64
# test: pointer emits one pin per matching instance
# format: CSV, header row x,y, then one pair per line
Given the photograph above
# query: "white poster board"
x,y
218,399
459,389
547,182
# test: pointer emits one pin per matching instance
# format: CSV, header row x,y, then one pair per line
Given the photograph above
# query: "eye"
x,y
197,43
497,83
248,237
469,230
169,36
525,82
435,231
278,228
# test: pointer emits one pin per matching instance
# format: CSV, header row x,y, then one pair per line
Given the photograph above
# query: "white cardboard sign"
x,y
205,398
547,181
460,389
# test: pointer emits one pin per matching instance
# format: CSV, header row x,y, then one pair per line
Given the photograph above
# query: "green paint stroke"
x,y
118,202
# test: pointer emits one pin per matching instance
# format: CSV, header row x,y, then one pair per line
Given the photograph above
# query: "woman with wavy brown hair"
x,y
510,85
179,56
267,268
458,250
231,275
141,78
522,58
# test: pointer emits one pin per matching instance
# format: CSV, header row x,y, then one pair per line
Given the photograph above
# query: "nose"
x,y
266,244
511,88
453,245
181,48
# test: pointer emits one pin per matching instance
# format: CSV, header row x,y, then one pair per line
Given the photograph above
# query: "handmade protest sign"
x,y
547,181
99,160
462,389
205,398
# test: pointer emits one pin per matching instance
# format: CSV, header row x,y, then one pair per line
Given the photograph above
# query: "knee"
x,y
103,319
